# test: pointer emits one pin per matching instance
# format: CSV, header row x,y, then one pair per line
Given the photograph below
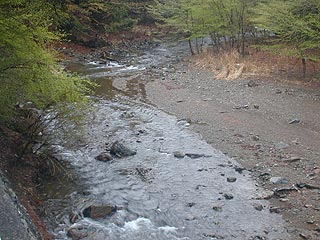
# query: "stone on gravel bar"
x,y
228,196
231,179
178,154
294,121
278,180
194,155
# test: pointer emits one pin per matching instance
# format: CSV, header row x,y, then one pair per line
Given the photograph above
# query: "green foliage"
x,y
28,71
296,24
228,19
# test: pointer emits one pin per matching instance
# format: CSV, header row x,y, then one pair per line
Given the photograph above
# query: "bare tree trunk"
x,y
304,66
190,46
197,46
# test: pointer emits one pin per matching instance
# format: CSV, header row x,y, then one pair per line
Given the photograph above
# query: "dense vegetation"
x,y
28,71
293,26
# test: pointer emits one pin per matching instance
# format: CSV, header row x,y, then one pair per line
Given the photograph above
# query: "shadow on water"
x,y
175,187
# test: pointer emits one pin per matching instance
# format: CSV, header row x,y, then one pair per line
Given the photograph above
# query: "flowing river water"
x,y
203,195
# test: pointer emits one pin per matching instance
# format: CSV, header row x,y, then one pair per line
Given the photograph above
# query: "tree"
x,y
228,20
295,24
231,22
28,71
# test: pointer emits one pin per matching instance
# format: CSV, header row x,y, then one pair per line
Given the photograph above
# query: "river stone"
x,y
96,212
194,155
228,196
77,233
178,154
104,157
278,180
258,207
231,179
120,150
74,217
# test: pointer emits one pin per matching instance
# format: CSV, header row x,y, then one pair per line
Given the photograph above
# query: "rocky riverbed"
x,y
234,161
270,127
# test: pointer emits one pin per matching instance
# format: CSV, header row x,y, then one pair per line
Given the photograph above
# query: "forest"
x,y
28,70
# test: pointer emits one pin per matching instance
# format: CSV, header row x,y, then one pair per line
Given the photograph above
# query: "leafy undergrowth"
x,y
230,65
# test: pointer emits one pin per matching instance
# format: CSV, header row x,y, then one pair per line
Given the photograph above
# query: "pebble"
x,y
231,179
258,207
294,121
278,180
292,159
178,154
274,210
228,196
255,138
104,157
281,145
217,208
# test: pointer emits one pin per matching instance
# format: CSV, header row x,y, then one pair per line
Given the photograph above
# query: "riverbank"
x,y
270,127
19,182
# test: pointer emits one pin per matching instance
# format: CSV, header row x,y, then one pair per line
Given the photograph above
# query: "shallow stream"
x,y
176,187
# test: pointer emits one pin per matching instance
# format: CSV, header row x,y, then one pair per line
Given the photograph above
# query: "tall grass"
x,y
229,65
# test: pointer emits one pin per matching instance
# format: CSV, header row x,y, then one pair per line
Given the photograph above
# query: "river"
x,y
177,186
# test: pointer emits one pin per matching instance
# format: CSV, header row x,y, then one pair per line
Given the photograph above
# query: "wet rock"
x,y
217,208
96,212
274,210
258,238
120,150
228,196
74,217
231,179
104,157
258,207
77,233
252,83
239,169
194,155
190,204
278,180
213,236
294,121
178,154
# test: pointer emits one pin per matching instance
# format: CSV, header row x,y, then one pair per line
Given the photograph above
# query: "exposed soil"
x,y
271,127
25,175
